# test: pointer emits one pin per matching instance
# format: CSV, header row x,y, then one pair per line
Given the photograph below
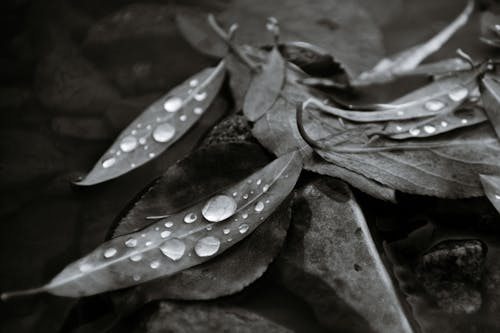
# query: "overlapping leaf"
x,y
490,94
159,126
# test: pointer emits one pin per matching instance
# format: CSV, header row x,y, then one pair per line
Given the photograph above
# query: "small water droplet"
x,y
245,196
244,216
183,117
458,95
464,121
235,194
134,132
168,224
252,192
198,110
414,131
136,257
209,228
139,125
429,129
173,248
207,246
149,243
265,188
243,228
249,181
190,218
118,153
268,201
132,165
157,228
229,239
108,253
143,235
108,162
142,141
226,231
155,264
172,104
163,132
497,196
193,83
219,208
137,277
165,234
259,206
259,181
131,242
128,143
434,105
151,155
399,128
400,113
444,124
200,96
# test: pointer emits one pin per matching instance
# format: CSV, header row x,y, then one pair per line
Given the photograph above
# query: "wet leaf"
x,y
182,240
490,94
159,126
491,186
265,86
490,29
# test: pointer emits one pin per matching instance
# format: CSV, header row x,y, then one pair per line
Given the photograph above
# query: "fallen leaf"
x,y
159,126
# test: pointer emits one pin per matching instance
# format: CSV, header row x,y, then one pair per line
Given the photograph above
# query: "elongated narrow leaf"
x,y
491,186
182,240
159,126
490,94
265,86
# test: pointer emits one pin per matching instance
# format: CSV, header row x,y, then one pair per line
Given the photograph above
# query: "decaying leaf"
x,y
182,240
490,29
491,186
159,126
490,94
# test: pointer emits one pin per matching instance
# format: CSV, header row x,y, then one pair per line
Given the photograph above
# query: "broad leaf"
x,y
182,240
491,186
265,86
490,94
159,126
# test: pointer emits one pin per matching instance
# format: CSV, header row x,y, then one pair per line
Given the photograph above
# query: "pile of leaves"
x,y
214,221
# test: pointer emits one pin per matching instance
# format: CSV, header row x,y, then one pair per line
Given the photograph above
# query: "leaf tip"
x,y
6,296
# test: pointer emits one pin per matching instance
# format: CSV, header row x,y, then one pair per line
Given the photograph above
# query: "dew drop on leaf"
x,y
444,124
131,242
173,248
172,104
226,231
414,131
137,277
128,143
168,224
259,181
193,83
243,228
429,129
149,243
259,206
219,208
207,246
165,234
142,141
163,132
434,105
200,97
497,196
198,110
244,216
183,117
108,253
155,264
458,95
265,188
136,257
190,218
108,162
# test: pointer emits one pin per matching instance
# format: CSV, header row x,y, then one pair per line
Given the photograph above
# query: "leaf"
x,y
490,32
159,126
265,86
490,96
331,261
181,240
491,186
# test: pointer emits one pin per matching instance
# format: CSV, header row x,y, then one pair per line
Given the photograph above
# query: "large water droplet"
x,y
434,105
219,208
429,129
458,95
155,264
414,131
128,143
173,248
108,253
108,162
164,132
136,257
190,218
243,228
200,96
207,246
259,206
165,234
131,242
172,104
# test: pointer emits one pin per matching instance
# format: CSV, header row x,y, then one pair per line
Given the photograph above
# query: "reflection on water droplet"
x,y
173,248
200,96
108,253
497,196
458,95
259,206
245,196
198,110
168,224
219,208
207,246
444,124
243,228
193,83
226,231
149,243
151,155
190,218
172,104
235,194
399,128
434,105
128,143
137,277
244,215
163,132
259,181
155,264
108,162
265,188
268,201
165,234
131,242
136,257
429,129
183,117
414,131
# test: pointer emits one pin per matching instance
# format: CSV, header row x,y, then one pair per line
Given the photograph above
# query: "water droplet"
x,y
226,231
183,117
259,181
265,188
245,196
165,234
118,153
200,96
143,235
149,243
151,155
134,132
168,224
434,105
429,129
142,141
229,239
155,264
136,257
268,201
132,165
444,124
209,228
108,253
164,132
173,248
243,228
259,206
219,208
131,242
458,95
198,110
137,277
464,121
157,228
399,128
235,194
414,131
249,181
252,192
139,125
497,196
172,104
244,215
190,218
108,162
128,143
193,83
400,113
207,246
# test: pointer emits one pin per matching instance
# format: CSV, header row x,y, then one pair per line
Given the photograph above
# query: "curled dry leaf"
x,y
159,126
182,240
490,94
491,186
